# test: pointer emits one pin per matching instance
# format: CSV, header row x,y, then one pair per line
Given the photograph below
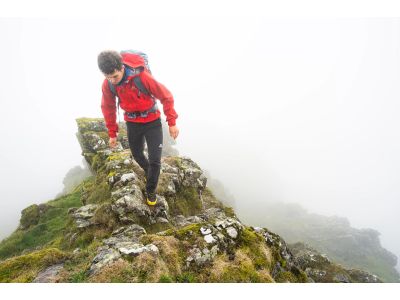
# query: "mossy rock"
x,y
186,202
25,268
30,216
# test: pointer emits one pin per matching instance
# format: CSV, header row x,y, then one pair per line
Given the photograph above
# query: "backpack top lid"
x,y
135,59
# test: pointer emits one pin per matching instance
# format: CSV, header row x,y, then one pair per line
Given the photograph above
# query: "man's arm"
x,y
108,108
163,94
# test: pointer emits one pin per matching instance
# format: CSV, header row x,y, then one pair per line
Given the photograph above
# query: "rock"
x,y
117,241
362,276
201,257
128,177
258,229
49,275
209,239
224,223
191,174
131,206
205,231
85,212
31,215
105,257
194,219
71,210
125,235
134,249
162,220
341,278
232,232
181,221
213,213
82,223
134,230
83,215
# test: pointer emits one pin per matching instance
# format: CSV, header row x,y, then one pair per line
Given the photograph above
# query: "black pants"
x,y
152,132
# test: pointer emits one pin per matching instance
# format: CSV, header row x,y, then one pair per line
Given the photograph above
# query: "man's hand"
x,y
173,132
113,142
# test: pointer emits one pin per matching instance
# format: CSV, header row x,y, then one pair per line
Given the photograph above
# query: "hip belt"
x,y
143,114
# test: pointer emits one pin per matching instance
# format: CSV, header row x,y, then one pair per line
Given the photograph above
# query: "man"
x,y
136,90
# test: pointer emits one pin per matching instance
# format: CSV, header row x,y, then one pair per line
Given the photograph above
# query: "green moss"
x,y
186,202
124,276
81,261
120,156
104,216
96,190
165,279
245,272
24,268
188,231
253,245
249,237
96,162
78,277
111,174
30,216
87,236
186,277
85,124
157,227
229,211
286,277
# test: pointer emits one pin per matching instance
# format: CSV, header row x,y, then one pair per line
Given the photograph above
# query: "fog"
x,y
301,111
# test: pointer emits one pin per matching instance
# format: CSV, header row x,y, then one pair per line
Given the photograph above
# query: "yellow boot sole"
x,y
151,203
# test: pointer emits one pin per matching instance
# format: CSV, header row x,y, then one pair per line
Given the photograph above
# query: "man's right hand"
x,y
113,142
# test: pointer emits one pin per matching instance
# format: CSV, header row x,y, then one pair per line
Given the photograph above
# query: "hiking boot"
x,y
151,198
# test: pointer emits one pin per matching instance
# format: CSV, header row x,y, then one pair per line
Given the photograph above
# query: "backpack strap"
x,y
142,89
113,91
139,84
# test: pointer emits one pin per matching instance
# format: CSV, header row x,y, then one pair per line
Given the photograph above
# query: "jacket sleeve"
x,y
108,107
163,94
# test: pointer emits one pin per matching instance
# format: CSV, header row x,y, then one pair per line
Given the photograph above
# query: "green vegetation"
x,y
24,268
49,227
95,189
186,202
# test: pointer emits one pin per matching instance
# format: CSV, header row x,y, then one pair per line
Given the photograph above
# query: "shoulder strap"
x,y
113,91
112,88
139,84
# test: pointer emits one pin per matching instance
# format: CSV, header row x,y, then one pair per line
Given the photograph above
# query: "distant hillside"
x,y
333,236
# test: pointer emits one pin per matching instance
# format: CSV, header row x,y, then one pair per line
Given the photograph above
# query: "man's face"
x,y
115,77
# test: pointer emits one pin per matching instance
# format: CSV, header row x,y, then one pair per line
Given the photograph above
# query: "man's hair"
x,y
109,61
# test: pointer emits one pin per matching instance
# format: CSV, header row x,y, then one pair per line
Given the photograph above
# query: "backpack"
x,y
138,62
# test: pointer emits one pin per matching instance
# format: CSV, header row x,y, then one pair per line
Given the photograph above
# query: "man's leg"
x,y
136,144
154,140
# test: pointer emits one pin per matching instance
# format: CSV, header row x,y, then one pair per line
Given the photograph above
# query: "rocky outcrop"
x,y
319,268
189,236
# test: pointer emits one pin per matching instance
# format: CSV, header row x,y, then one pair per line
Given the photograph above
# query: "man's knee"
x,y
155,162
138,155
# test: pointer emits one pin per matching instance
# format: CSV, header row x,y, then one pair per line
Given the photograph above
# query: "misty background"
x,y
291,110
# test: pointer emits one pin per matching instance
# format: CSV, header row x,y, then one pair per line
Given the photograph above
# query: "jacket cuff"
x,y
171,122
112,134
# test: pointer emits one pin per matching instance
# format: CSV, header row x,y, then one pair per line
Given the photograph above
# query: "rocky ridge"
x,y
190,236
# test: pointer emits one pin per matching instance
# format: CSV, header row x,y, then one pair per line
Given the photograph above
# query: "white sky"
x,y
298,110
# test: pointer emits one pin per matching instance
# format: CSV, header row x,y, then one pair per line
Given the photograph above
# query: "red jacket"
x,y
130,102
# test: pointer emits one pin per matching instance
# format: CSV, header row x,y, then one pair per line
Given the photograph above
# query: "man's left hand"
x,y
173,132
